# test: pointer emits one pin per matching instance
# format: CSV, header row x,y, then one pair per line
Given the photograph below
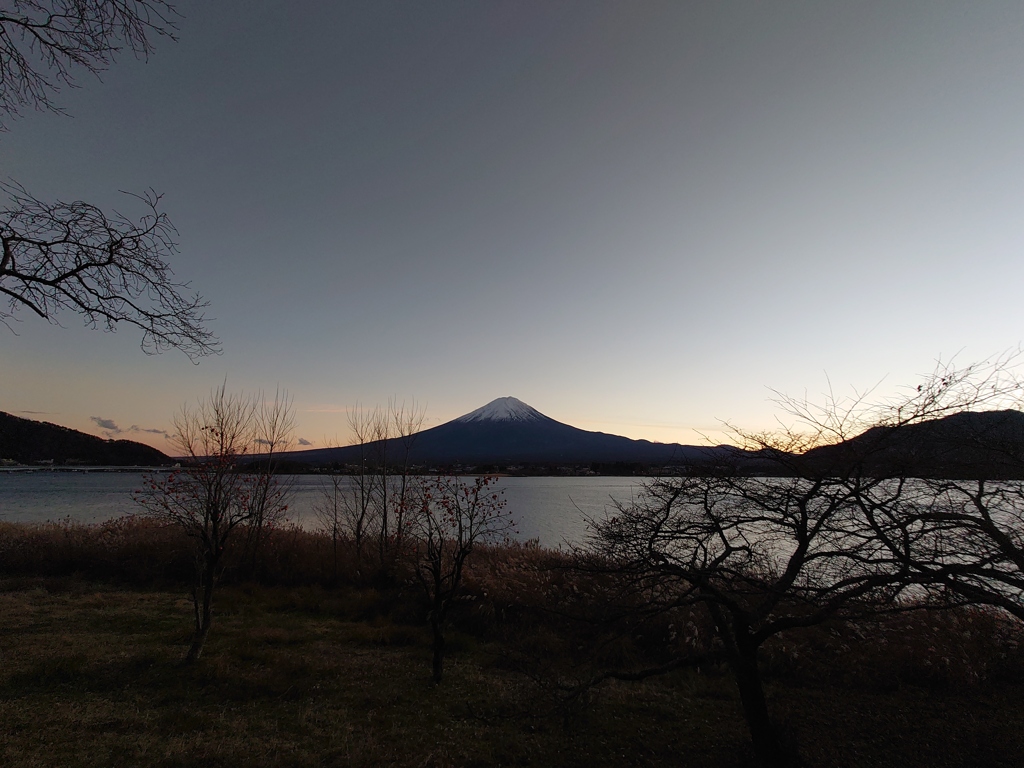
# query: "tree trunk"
x,y
198,641
763,733
202,598
741,654
334,548
438,666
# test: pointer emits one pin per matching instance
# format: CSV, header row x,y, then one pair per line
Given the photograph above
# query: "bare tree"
x,y
450,517
217,490
44,44
332,512
72,256
273,429
364,502
840,524
955,515
107,268
762,556
370,503
406,423
382,487
967,536
380,446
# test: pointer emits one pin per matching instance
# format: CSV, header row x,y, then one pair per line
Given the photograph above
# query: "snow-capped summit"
x,y
504,409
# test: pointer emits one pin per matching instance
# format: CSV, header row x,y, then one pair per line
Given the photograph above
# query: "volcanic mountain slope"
x,y
27,441
508,431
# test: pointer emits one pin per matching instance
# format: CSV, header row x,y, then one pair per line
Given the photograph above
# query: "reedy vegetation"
x,y
293,660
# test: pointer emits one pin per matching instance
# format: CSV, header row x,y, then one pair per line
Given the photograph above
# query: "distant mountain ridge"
x,y
966,445
28,442
507,431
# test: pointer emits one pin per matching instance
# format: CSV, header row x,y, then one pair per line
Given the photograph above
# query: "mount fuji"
x,y
503,409
508,431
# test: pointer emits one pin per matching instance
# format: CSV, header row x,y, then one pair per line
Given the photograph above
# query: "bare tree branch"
x,y
107,268
44,43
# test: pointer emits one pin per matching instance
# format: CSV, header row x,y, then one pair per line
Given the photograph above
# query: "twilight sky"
x,y
635,217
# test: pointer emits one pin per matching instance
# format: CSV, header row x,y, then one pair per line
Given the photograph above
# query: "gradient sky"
x,y
636,217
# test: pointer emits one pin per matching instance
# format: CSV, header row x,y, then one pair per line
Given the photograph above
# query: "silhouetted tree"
x,y
447,519
107,268
331,511
219,488
960,527
842,529
59,256
375,502
762,556
273,429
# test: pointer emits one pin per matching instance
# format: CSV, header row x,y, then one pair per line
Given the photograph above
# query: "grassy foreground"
x,y
95,621
304,676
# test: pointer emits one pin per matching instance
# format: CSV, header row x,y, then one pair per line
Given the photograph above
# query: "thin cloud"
x,y
110,428
136,428
39,413
304,441
108,425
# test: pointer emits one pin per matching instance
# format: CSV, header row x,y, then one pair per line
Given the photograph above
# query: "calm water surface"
x,y
551,509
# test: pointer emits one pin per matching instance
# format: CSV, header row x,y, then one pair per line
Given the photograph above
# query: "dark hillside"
x,y
27,442
964,446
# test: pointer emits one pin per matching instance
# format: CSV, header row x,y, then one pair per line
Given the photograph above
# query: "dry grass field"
x,y
303,674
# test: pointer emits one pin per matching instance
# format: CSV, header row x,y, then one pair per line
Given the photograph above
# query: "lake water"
x,y
551,509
